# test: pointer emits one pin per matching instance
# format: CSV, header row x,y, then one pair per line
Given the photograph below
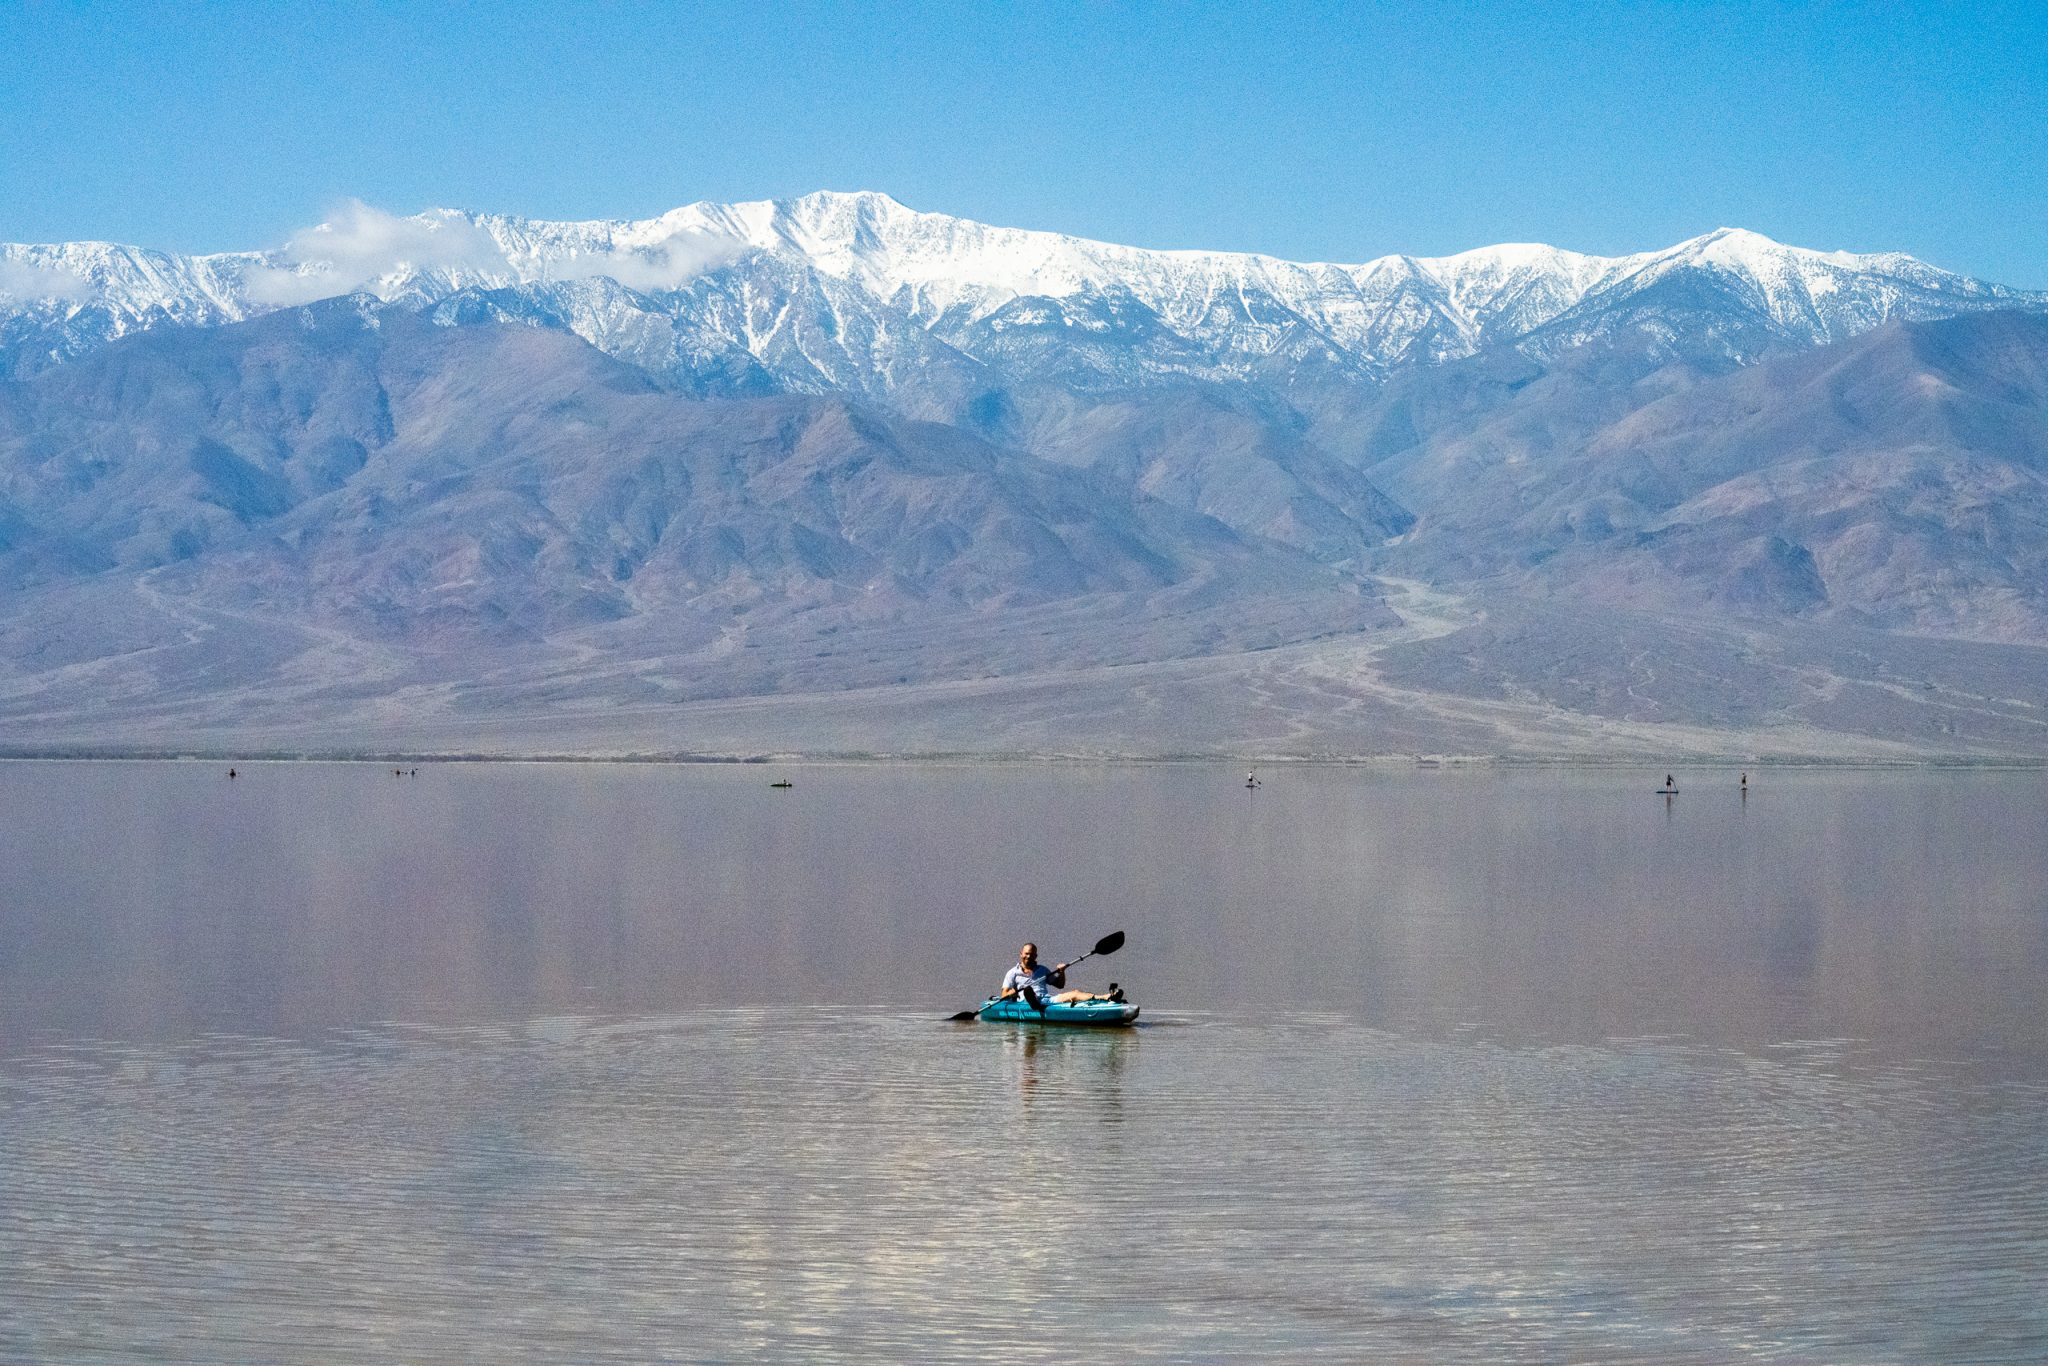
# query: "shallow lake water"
x,y
651,1062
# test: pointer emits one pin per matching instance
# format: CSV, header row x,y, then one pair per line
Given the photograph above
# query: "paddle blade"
x,y
963,1016
1109,943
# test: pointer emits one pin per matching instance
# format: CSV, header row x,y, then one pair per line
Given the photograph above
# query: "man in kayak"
x,y
1047,984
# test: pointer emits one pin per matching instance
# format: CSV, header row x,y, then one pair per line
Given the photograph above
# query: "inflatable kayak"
x,y
1075,1013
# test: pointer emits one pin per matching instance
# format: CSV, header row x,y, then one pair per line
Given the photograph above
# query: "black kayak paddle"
x,y
1108,944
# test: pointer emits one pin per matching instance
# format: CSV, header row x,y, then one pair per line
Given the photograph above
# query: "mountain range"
x,y
465,480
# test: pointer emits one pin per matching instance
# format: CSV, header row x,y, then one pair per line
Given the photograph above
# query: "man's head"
x,y
1027,955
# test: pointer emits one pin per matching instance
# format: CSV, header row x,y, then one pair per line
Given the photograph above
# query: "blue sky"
x,y
1330,132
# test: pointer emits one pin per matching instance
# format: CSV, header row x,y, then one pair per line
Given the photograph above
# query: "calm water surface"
x,y
623,1062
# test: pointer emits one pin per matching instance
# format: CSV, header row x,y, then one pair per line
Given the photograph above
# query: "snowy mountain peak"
x,y
1759,257
1738,239
875,285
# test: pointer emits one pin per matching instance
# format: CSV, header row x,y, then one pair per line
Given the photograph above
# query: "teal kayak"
x,y
1074,1013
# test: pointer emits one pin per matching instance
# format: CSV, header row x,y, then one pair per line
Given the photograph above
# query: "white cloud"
x,y
26,280
362,245
667,264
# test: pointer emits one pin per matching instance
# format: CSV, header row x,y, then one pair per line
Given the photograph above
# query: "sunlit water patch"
x,y
833,1183
572,1062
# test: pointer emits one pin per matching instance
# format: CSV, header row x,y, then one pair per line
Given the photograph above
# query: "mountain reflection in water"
x,y
608,1064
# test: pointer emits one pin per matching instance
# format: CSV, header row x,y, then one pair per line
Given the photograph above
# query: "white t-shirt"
x,y
1039,979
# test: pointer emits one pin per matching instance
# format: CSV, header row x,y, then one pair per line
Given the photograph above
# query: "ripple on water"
x,y
749,1184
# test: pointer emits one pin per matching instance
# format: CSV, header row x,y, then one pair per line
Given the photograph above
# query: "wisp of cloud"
x,y
363,245
28,280
667,264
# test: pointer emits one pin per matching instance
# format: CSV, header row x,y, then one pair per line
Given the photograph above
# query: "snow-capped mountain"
x,y
857,293
489,467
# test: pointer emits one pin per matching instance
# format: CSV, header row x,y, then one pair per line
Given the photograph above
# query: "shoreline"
x,y
1416,763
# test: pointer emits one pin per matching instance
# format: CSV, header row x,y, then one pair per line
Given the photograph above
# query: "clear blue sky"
x,y
1330,132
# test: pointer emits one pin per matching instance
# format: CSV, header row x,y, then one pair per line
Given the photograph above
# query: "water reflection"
x,y
158,901
1074,1069
587,1062
1794,943
828,1184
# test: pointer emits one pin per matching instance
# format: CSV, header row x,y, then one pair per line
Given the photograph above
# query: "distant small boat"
x,y
1667,792
784,783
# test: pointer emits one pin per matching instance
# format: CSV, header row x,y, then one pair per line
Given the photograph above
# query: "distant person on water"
x,y
1043,981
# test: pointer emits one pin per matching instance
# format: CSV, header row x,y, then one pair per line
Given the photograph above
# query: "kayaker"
x,y
1046,983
